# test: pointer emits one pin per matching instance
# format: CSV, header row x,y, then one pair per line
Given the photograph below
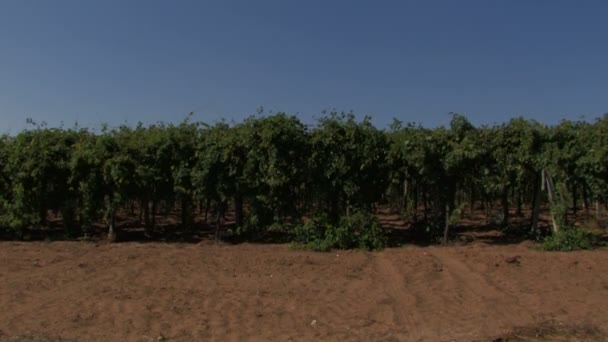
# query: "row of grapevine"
x,y
270,170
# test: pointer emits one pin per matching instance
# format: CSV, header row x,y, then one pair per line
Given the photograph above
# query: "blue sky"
x,y
129,61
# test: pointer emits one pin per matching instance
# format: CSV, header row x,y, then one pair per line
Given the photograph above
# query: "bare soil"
x,y
131,291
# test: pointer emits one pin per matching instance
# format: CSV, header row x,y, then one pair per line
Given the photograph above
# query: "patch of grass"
x,y
569,239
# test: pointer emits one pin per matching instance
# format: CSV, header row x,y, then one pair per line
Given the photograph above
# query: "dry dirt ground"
x,y
198,292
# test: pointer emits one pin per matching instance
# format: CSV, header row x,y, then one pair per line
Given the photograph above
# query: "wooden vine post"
x,y
547,181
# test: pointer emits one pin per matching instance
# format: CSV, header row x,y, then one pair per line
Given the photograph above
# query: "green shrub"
x,y
359,230
568,239
312,230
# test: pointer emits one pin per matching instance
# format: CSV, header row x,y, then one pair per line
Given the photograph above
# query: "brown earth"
x,y
198,292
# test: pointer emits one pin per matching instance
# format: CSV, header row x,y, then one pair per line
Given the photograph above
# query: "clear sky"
x,y
115,61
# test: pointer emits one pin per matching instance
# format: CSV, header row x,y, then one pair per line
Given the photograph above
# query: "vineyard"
x,y
319,185
224,194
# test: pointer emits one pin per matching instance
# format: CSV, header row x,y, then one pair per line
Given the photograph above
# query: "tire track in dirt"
x,y
437,286
476,296
398,299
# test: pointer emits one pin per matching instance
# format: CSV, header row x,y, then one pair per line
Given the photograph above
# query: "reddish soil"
x,y
198,292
